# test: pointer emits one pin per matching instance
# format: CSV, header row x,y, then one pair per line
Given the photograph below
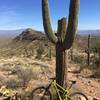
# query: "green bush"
x,y
97,62
39,51
96,50
78,59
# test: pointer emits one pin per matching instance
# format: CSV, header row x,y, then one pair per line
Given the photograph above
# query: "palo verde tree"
x,y
64,37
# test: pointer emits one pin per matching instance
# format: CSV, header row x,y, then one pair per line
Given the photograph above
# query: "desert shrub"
x,y
28,52
95,49
78,59
23,97
49,53
13,82
6,67
3,79
97,62
39,52
25,74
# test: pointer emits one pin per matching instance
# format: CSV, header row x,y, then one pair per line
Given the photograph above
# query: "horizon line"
x,y
41,29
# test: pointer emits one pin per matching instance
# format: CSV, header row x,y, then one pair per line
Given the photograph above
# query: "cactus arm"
x,y
72,24
46,22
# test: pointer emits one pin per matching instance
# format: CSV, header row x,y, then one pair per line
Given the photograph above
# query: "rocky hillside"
x,y
26,42
29,40
30,35
20,68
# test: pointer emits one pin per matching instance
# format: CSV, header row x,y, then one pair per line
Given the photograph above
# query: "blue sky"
x,y
16,14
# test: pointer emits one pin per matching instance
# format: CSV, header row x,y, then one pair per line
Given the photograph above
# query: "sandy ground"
x,y
87,85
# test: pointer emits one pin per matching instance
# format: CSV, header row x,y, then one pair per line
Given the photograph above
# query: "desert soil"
x,y
46,68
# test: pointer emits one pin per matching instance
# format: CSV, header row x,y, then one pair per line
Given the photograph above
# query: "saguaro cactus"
x,y
64,37
88,51
88,62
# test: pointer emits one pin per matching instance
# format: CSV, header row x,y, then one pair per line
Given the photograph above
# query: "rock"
x,y
91,91
74,69
90,98
6,98
86,72
94,98
89,82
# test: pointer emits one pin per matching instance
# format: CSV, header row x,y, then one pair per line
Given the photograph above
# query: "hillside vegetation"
x,y
29,59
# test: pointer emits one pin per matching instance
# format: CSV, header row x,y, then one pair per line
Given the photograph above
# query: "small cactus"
x,y
88,51
39,51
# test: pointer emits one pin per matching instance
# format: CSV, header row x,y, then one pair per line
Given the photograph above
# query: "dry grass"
x,y
14,59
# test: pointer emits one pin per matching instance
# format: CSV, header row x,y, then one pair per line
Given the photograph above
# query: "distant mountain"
x,y
91,32
10,33
30,35
15,33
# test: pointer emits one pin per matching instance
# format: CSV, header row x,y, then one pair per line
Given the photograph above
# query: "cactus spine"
x,y
64,38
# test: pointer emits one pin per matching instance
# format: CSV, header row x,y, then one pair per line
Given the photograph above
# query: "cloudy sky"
x,y
16,14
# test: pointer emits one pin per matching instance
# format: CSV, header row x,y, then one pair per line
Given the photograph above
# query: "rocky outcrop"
x,y
30,35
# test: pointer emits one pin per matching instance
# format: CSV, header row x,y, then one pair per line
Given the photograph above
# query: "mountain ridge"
x,y
91,32
10,33
14,33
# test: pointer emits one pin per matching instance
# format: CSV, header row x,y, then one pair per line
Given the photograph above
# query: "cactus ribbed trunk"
x,y
61,69
64,38
61,53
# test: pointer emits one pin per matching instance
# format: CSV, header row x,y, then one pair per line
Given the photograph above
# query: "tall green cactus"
x,y
64,38
87,51
88,59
